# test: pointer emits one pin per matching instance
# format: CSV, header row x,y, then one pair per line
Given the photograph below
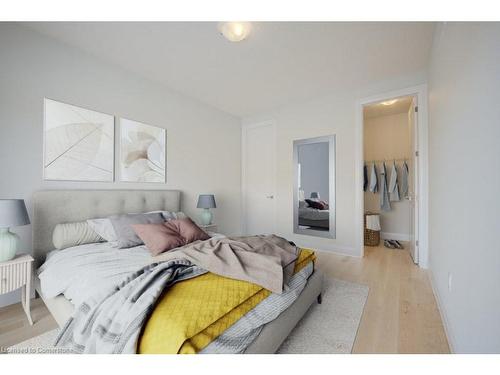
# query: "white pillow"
x,y
103,228
74,234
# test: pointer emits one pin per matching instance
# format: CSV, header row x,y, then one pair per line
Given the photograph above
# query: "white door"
x,y
413,181
259,177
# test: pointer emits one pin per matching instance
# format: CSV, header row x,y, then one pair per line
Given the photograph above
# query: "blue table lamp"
x,y
12,214
206,201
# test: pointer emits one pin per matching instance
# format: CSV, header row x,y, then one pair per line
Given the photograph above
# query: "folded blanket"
x,y
195,312
240,335
267,261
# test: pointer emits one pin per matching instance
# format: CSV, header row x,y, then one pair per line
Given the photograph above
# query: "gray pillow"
x,y
74,234
125,234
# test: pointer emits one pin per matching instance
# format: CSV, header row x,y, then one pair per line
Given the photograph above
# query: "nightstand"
x,y
209,228
14,274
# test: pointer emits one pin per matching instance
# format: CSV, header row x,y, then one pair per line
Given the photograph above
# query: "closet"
x,y
389,145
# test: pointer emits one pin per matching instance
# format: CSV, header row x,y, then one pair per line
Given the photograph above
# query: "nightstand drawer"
x,y
13,276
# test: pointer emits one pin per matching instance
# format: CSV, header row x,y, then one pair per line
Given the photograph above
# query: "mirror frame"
x,y
332,233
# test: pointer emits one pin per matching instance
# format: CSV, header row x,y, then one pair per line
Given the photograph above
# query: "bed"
x,y
53,207
312,217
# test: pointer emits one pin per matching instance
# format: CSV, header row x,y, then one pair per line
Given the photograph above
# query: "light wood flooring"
x,y
400,316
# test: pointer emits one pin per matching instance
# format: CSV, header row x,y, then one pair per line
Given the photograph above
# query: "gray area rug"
x,y
329,328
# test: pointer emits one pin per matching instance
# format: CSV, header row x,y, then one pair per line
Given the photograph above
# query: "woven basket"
x,y
372,237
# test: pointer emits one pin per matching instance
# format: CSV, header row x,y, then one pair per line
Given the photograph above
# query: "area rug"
x,y
327,328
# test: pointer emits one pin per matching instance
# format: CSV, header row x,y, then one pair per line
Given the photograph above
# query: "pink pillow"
x,y
158,237
187,229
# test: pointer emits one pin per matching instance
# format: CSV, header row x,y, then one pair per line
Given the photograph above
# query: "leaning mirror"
x,y
314,186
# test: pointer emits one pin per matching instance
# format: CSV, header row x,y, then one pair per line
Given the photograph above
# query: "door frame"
x,y
244,129
420,92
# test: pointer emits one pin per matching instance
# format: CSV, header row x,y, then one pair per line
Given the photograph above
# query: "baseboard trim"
x,y
337,250
442,312
395,236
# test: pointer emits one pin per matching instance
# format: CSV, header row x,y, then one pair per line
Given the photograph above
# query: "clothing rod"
x,y
385,160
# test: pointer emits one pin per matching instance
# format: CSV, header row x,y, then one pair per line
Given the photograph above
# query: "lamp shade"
x,y
13,213
314,195
206,201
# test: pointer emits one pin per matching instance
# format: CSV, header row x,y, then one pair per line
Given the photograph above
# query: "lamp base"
x,y
206,217
8,244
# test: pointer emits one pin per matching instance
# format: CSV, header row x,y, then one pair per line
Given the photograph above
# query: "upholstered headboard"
x,y
52,207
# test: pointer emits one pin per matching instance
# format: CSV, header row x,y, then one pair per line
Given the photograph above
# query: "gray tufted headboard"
x,y
52,207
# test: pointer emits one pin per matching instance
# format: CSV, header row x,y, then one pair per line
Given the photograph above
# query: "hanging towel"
x,y
373,179
365,177
404,179
393,184
385,205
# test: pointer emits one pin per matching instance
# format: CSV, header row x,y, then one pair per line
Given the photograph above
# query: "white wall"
x,y
386,138
203,154
332,114
464,179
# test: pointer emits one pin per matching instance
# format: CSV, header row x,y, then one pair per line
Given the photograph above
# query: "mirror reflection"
x,y
314,198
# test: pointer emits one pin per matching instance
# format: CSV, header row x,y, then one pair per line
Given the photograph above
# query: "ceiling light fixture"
x,y
234,31
389,102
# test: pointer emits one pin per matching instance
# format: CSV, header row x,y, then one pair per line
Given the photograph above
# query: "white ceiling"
x,y
402,105
279,63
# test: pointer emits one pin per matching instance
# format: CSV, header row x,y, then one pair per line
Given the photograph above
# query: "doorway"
x,y
390,174
259,178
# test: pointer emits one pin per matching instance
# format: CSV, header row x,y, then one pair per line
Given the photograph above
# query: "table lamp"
x,y
206,201
12,214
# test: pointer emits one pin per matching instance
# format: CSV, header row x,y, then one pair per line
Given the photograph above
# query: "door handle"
x,y
270,196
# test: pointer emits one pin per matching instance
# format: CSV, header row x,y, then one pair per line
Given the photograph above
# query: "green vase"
x,y
8,244
206,217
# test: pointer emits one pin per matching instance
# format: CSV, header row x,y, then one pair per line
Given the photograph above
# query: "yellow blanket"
x,y
198,310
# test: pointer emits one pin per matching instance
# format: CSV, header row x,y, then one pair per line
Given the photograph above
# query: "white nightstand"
x,y
14,274
209,228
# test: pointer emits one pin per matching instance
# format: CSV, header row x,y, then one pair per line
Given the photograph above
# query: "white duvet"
x,y
313,214
79,271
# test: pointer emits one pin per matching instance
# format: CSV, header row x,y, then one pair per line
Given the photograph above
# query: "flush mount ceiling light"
x,y
389,102
234,31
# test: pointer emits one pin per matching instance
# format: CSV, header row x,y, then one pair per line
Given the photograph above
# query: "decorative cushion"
x,y
169,235
122,224
158,237
74,234
187,229
103,228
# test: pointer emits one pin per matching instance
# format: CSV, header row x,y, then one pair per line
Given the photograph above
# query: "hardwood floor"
x,y
400,316
14,326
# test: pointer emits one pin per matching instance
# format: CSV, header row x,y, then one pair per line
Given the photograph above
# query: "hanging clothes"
x,y
385,204
365,177
393,184
404,179
373,179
